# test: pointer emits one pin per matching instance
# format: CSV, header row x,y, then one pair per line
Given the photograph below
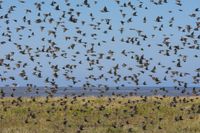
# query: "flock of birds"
x,y
112,114
98,44
94,44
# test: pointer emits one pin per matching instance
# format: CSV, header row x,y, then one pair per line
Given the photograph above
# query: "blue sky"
x,y
181,18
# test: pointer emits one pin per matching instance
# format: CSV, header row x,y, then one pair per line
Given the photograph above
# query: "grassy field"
x,y
100,115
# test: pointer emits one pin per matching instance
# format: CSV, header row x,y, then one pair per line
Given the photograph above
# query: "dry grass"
x,y
100,115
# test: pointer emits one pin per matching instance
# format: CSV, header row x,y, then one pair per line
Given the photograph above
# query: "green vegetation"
x,y
100,115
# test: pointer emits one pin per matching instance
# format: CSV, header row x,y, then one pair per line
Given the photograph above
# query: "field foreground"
x,y
100,115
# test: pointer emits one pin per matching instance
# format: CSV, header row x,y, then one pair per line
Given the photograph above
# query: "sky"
x,y
181,18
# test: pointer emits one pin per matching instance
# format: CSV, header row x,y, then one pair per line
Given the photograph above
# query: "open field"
x,y
100,115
